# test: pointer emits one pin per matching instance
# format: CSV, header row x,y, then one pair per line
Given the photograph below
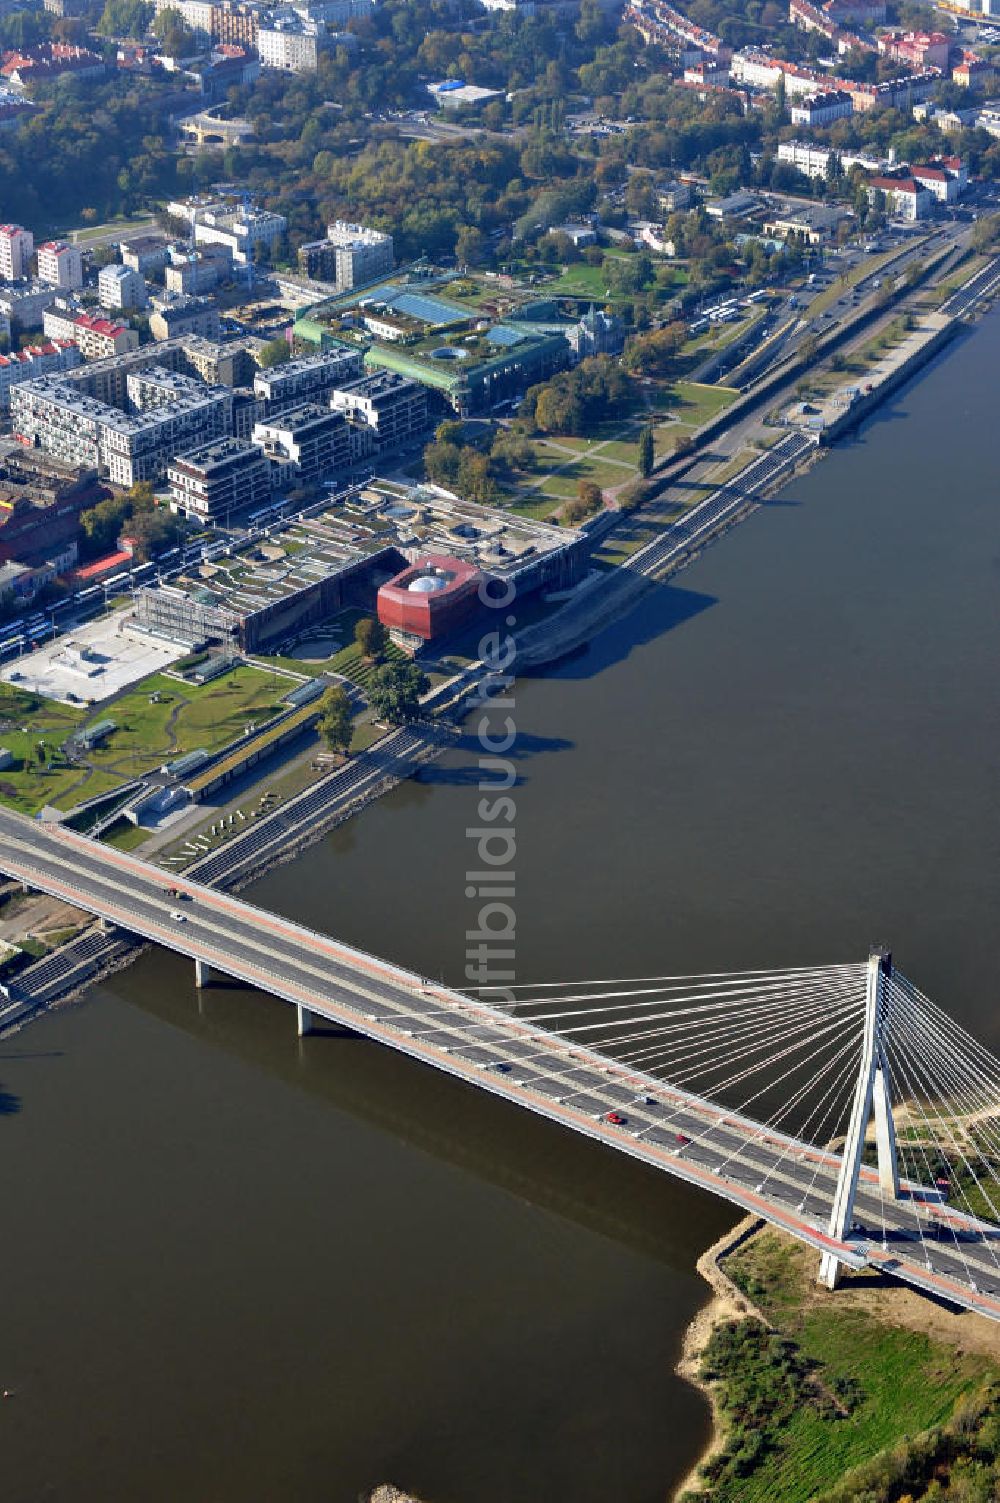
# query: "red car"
x,y
682,1139
616,1118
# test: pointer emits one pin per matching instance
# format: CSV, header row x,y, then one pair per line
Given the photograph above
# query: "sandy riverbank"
x,y
726,1303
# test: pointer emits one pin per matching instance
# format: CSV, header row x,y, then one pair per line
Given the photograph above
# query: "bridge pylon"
x,y
872,1093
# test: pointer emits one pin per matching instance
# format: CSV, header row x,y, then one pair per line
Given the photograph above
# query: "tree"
x,y
372,637
275,352
336,722
125,18
646,453
395,694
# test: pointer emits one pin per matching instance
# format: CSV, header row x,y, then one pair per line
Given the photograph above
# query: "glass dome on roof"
x,y
427,584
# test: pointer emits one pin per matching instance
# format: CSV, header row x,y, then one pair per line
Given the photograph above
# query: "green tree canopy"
x,y
336,722
395,694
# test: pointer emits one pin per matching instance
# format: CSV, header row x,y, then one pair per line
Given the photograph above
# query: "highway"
x,y
787,1183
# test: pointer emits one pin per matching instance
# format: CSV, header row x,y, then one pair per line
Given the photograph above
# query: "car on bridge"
x,y
681,1139
615,1118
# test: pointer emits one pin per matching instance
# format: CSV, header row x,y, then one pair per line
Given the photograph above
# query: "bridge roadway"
x,y
788,1183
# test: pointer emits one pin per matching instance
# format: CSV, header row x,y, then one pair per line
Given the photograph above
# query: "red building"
x,y
429,599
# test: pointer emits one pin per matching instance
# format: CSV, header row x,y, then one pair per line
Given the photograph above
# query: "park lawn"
x,y
907,1381
694,404
186,718
536,504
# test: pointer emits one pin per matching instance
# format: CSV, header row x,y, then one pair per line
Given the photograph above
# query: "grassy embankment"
x,y
868,1394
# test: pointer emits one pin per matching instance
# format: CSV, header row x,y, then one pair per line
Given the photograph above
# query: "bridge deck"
x,y
788,1183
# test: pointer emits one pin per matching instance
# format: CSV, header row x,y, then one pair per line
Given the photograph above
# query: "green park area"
x,y
154,721
867,1393
690,405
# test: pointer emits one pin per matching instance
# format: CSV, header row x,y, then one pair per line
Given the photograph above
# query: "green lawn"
x,y
126,836
693,404
186,716
897,1380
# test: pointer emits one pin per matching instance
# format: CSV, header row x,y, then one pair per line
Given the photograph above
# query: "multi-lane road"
x,y
786,1182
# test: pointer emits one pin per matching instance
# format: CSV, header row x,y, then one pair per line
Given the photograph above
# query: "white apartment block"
x,y
60,264
290,44
16,247
814,161
311,438
121,287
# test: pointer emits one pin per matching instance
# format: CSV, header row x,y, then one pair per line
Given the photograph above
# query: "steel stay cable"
x,y
915,1047
761,1042
694,1016
690,977
718,998
770,1084
719,1028
850,1048
900,1055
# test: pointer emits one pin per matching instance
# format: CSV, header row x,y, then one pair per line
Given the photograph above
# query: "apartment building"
x,y
25,302
16,248
54,415
36,360
392,406
309,379
97,338
61,265
121,287
177,315
219,479
311,440
361,255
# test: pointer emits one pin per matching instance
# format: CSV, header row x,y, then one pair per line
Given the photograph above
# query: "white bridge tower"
x,y
872,1093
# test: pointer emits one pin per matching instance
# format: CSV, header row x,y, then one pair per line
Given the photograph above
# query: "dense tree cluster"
x,y
574,401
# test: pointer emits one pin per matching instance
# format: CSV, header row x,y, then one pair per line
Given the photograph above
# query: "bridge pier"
x,y
203,974
306,1020
872,1094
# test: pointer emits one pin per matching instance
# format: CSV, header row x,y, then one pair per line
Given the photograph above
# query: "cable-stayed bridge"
x,y
837,1102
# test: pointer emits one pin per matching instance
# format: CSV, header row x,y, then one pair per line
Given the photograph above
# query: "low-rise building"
x,y
392,406
312,440
809,223
97,338
973,72
453,94
360,255
815,161
903,196
940,184
218,480
921,49
61,265
249,233
121,287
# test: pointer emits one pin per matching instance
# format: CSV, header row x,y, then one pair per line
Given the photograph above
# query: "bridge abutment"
x,y
203,974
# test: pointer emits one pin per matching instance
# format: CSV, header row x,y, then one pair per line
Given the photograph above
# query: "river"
x,y
244,1268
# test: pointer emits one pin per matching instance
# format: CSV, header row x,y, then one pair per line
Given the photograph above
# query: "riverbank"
x,y
814,1392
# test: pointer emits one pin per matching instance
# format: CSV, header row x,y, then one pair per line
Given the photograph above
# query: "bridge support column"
x,y
873,1092
306,1020
203,974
